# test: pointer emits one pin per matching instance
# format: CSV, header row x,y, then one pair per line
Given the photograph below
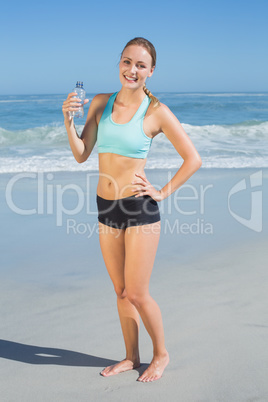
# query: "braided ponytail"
x,y
155,101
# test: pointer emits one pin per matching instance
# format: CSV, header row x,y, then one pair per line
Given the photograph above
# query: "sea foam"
x,y
47,149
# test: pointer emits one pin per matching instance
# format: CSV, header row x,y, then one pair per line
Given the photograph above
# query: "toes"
x,y
148,378
155,377
116,368
143,379
105,372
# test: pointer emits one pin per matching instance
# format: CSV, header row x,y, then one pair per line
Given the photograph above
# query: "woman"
x,y
123,124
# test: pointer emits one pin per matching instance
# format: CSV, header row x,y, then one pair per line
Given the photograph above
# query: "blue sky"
x,y
202,46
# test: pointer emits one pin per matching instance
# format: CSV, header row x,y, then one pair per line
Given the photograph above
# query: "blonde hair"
x,y
151,50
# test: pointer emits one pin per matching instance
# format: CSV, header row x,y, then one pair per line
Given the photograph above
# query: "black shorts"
x,y
129,211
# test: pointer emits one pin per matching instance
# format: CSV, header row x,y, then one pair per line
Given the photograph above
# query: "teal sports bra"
x,y
124,139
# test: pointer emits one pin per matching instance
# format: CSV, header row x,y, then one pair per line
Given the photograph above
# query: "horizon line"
x,y
156,92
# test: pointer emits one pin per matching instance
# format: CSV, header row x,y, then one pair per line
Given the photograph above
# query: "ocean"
x,y
229,130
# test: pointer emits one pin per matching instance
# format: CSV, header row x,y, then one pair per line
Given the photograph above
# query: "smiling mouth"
x,y
131,79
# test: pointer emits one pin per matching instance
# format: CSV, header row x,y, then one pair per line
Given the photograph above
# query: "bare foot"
x,y
155,369
117,368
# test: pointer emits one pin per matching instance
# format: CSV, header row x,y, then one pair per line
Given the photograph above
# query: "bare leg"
x,y
140,246
113,250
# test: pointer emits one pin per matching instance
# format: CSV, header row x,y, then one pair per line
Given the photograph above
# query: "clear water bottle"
x,y
81,94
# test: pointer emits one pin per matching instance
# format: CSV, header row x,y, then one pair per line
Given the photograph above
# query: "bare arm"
x,y
167,123
174,131
81,146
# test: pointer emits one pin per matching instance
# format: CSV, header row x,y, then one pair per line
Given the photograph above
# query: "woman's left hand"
x,y
144,187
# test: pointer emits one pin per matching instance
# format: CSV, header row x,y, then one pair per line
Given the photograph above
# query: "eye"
x,y
126,61
141,66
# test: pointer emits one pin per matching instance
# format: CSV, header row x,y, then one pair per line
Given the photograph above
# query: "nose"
x,y
133,69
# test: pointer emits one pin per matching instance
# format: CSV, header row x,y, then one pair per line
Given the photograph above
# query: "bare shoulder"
x,y
100,99
163,111
162,116
98,104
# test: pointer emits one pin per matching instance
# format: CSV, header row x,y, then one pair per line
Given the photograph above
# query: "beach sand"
x,y
59,324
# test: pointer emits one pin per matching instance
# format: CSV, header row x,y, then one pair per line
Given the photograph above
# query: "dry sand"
x,y
59,324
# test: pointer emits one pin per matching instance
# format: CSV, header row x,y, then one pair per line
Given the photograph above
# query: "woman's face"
x,y
135,66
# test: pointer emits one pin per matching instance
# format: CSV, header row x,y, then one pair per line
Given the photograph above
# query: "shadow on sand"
x,y
40,355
